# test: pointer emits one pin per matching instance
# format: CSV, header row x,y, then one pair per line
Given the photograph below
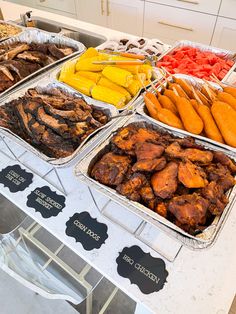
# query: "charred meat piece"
x,y
161,209
192,154
127,138
12,53
6,72
21,68
148,151
150,165
164,182
59,53
220,174
189,209
131,187
191,175
35,56
225,161
23,117
111,169
5,82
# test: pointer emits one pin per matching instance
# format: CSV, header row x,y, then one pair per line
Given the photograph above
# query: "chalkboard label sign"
x,y
15,178
87,230
147,272
46,201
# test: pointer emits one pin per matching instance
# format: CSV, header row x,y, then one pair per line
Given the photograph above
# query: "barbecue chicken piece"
x,y
148,151
131,187
191,175
164,182
147,195
225,161
221,175
189,209
149,165
195,155
111,169
215,194
127,138
161,209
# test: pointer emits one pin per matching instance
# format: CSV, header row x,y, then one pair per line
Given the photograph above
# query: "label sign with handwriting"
x,y
46,201
147,272
15,178
87,230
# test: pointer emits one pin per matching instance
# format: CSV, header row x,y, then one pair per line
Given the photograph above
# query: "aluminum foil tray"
x,y
45,85
218,51
203,240
156,77
30,35
141,109
21,29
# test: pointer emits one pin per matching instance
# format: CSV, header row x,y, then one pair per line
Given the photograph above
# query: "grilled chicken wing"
x,y
191,175
189,209
111,169
193,154
225,161
164,182
148,151
131,187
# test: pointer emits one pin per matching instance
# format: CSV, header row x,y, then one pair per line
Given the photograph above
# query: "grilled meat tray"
x,y
202,240
32,35
141,109
45,85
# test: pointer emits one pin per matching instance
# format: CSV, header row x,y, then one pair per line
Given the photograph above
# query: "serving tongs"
x,y
146,59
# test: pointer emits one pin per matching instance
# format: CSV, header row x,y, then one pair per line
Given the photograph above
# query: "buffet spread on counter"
x,y
156,123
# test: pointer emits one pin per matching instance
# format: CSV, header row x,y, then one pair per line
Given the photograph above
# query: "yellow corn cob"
x,y
147,69
93,76
89,53
108,95
134,69
80,83
140,77
87,64
134,87
118,76
109,84
67,70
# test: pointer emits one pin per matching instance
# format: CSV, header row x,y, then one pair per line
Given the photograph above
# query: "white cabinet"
x,y
65,7
171,24
228,8
92,11
204,6
225,34
125,16
122,15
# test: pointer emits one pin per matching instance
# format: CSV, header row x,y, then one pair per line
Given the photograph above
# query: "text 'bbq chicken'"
x,y
18,60
176,178
56,130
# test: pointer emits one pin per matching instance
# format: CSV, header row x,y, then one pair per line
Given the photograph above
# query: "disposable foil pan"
x,y
141,109
45,85
156,76
83,168
21,29
32,35
226,54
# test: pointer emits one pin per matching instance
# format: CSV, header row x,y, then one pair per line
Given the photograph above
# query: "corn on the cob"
x,y
89,53
134,69
87,64
140,77
147,69
67,70
108,95
109,84
80,83
93,76
118,76
134,87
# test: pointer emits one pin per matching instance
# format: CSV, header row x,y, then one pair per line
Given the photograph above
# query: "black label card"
x,y
15,178
87,230
46,201
147,272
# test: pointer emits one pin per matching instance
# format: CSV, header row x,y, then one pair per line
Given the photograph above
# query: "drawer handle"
x,y
189,1
102,7
176,26
108,8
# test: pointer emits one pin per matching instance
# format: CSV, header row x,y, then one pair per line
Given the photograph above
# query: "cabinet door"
x,y
67,6
225,34
171,24
92,11
125,16
228,8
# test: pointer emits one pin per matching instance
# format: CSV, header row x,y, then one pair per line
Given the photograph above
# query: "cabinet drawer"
x,y
172,24
225,34
59,5
205,6
228,9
